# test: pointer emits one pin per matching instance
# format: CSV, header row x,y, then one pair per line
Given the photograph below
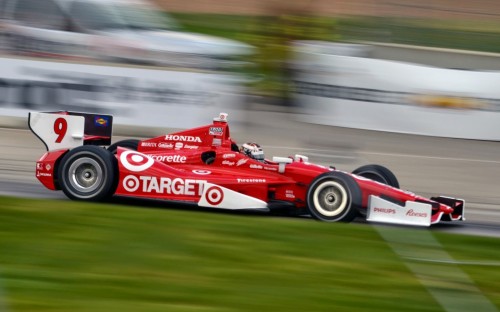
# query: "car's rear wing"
x,y
65,130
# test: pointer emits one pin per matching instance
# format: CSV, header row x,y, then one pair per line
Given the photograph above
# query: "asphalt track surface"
x,y
425,165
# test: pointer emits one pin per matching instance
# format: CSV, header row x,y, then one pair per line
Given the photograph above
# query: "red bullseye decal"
x,y
135,161
214,195
131,183
202,172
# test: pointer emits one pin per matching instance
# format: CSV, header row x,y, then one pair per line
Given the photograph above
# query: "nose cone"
x,y
445,209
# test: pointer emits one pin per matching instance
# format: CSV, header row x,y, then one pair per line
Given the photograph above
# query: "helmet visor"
x,y
258,155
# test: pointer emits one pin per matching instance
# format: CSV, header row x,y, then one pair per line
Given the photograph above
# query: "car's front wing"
x,y
413,212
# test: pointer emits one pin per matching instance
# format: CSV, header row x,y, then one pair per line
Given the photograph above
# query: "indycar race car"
x,y
204,166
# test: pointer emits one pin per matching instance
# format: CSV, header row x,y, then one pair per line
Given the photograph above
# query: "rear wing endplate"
x,y
66,130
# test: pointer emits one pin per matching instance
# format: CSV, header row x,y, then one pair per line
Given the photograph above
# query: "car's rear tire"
x,y
88,173
129,143
378,173
334,197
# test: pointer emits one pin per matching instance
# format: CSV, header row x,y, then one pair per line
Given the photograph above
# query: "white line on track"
x,y
390,154
300,148
433,157
331,156
484,213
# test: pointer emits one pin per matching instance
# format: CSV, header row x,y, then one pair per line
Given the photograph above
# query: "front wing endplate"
x,y
412,213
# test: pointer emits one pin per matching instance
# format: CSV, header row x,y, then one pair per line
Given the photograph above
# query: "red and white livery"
x,y
206,167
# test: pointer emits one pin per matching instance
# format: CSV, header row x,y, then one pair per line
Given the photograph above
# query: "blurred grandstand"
x,y
393,28
132,31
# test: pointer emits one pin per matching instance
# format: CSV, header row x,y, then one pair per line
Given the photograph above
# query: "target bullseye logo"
x,y
131,183
214,195
202,172
135,161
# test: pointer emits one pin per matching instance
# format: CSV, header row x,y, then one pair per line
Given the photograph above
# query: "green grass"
x,y
483,35
73,256
463,35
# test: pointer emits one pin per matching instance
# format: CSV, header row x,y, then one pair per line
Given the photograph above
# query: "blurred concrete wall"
x,y
460,9
445,58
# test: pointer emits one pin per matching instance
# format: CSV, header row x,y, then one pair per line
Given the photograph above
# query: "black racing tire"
x,y
132,144
378,173
334,197
88,173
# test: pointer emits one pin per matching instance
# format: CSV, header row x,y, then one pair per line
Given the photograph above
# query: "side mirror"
x,y
282,161
301,158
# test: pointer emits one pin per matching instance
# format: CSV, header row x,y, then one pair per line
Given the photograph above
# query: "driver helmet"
x,y
253,150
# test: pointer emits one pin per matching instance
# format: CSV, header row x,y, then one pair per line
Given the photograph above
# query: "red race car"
x,y
206,167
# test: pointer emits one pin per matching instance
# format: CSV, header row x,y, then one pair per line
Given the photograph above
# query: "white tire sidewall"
x,y
342,208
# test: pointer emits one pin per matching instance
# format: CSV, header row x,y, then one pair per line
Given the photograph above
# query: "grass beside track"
x,y
471,35
74,256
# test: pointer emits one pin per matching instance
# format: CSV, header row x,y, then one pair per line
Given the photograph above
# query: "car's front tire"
x,y
378,173
88,173
334,197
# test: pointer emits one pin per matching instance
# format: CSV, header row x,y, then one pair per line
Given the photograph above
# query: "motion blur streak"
x,y
3,302
446,282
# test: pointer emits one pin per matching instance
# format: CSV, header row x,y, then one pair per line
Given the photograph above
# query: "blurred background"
x,y
345,63
254,39
412,85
